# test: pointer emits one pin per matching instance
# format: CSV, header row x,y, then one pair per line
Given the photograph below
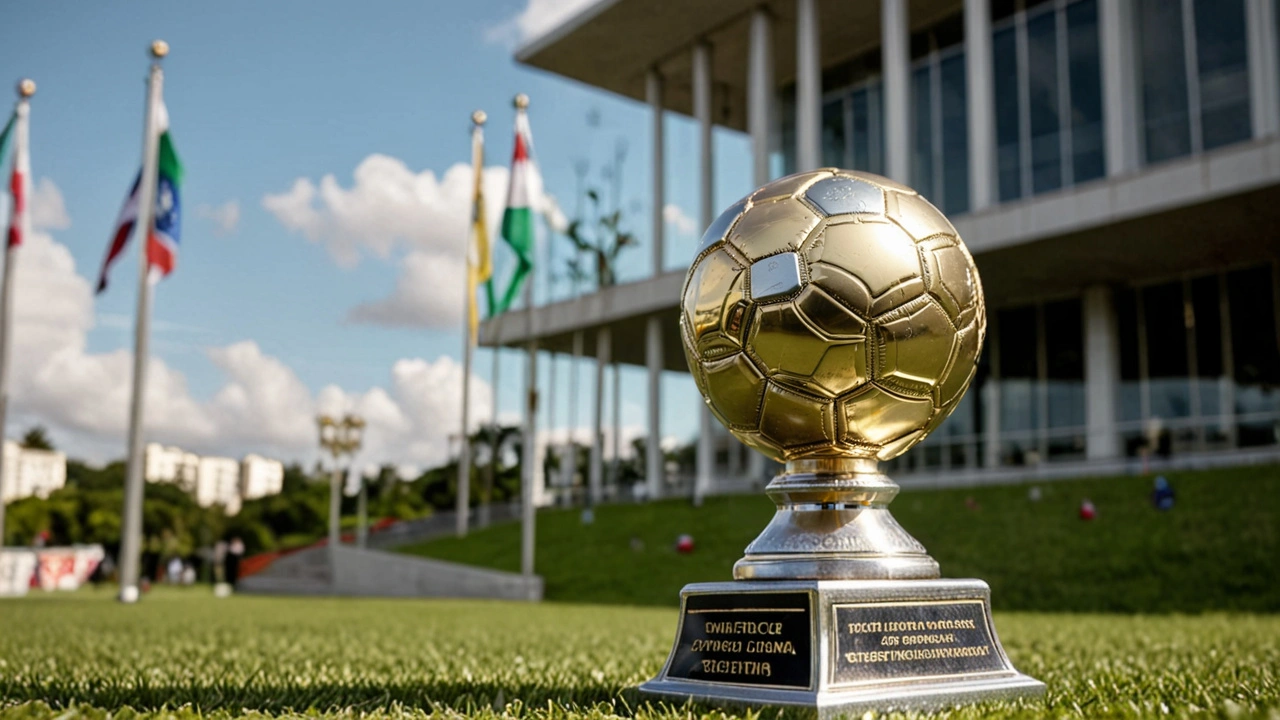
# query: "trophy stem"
x,y
833,523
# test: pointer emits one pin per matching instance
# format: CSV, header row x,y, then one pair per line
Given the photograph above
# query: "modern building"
x,y
1113,165
29,472
171,465
218,483
260,477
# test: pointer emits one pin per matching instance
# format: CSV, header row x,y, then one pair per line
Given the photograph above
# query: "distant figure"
x,y
1033,494
174,572
684,544
1162,494
1087,510
235,553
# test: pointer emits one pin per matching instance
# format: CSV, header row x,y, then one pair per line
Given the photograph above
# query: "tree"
x,y
37,438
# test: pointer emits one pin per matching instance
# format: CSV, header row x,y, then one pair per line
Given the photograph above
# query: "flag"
x,y
19,180
517,220
479,262
162,239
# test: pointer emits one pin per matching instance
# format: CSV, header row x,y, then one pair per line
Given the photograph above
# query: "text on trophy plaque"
x,y
900,641
745,639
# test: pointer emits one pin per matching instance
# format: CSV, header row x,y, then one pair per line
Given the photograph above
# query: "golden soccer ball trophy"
x,y
832,319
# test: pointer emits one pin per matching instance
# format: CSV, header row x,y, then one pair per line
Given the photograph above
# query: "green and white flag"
x,y
518,219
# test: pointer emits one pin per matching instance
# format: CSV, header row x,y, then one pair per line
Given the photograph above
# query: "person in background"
x,y
1162,494
235,553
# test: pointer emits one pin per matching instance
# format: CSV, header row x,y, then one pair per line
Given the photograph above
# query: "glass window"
x,y
1126,305
1206,314
955,136
1088,154
1223,65
1019,385
1043,96
1004,51
1250,295
922,132
1164,318
1164,80
834,142
868,143
1064,359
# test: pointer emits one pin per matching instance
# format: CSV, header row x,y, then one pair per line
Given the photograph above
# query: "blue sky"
x,y
255,330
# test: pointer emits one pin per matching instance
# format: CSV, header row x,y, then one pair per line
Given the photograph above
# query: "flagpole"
x,y
468,337
131,530
529,466
26,88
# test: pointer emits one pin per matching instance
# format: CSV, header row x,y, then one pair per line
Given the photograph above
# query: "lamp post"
x,y
339,437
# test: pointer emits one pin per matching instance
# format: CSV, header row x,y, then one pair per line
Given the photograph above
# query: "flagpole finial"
x,y
159,49
26,87
521,102
478,117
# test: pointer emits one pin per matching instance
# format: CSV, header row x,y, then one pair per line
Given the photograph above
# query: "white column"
x,y
760,93
981,103
653,461
702,113
1120,86
595,479
1101,373
895,58
653,95
808,86
1261,36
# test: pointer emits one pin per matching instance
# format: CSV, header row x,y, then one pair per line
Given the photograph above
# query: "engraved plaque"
x,y
760,639
902,641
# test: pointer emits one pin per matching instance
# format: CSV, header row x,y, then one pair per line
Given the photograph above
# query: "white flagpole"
x,y
529,462
131,530
26,89
468,341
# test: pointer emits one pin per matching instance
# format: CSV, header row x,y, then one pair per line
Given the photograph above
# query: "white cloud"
x,y
538,17
225,217
262,406
417,220
679,220
48,211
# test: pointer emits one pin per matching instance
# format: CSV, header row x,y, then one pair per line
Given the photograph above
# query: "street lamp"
x,y
339,437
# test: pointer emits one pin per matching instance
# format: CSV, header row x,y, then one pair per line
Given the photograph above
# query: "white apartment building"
x,y
32,472
218,483
260,477
172,465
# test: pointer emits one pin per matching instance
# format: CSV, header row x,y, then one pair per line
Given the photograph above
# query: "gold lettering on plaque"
x,y
737,667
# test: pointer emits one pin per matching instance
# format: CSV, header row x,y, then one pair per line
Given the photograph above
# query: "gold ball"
x,y
26,87
478,117
159,49
521,101
832,313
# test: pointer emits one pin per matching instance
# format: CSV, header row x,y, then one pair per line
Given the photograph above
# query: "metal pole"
x,y
335,503
595,480
571,444
653,461
529,467
491,472
26,89
362,512
468,337
131,526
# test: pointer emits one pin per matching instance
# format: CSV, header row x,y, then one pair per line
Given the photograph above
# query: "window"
x,y
1195,76
1049,108
835,144
939,130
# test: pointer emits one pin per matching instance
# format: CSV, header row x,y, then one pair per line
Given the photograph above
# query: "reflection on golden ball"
x,y
832,313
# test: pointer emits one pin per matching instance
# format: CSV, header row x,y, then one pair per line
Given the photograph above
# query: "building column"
x,y
595,479
1119,86
702,113
760,93
653,95
1101,373
653,460
980,80
808,87
895,59
1261,37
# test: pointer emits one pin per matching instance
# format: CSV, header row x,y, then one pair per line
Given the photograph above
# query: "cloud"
x,y
416,220
225,217
262,405
537,18
48,211
675,216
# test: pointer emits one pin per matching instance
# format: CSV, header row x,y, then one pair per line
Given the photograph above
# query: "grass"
x,y
182,655
1219,549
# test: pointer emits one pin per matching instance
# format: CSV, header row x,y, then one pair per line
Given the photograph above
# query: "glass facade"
x,y
1195,76
940,129
1049,109
851,128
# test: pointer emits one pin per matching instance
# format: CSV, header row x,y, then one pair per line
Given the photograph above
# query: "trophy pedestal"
x,y
838,647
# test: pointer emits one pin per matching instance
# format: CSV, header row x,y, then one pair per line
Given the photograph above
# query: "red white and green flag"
x,y
20,177
518,220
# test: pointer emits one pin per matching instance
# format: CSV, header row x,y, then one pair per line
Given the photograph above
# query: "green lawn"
x,y
182,654
1219,549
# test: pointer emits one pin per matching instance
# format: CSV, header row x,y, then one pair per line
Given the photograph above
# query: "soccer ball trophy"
x,y
832,319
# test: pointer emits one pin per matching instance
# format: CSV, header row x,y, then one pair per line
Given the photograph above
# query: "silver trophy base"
x,y
831,648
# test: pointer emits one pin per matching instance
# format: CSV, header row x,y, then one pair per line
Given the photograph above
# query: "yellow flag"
x,y
479,262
